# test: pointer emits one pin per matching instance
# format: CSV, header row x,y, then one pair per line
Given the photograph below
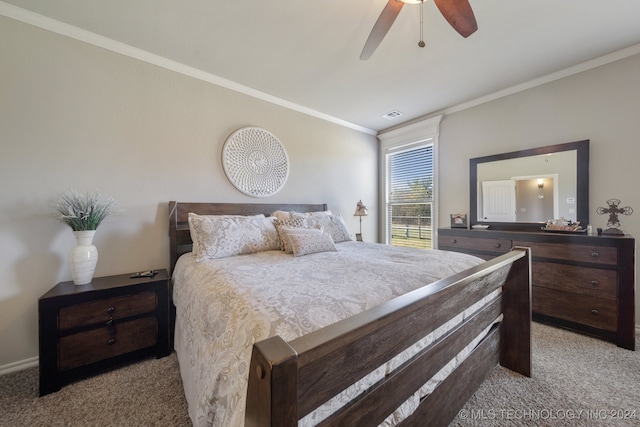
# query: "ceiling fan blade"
x,y
381,27
459,14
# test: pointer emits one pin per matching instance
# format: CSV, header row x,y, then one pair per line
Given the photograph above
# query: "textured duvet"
x,y
225,305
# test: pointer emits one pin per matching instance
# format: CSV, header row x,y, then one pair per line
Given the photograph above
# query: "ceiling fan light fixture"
x,y
457,12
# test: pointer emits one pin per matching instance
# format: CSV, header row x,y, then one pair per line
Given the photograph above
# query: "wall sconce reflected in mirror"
x,y
541,183
361,210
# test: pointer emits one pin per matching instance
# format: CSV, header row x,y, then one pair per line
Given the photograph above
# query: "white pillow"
x,y
218,236
286,232
282,215
279,223
333,224
285,215
310,241
310,214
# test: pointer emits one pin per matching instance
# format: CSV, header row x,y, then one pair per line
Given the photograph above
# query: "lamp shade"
x,y
361,209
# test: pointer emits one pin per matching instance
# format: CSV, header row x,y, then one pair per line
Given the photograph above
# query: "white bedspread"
x,y
225,305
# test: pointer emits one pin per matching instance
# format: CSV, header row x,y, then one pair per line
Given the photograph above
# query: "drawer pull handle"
x,y
595,254
595,283
110,327
595,312
111,310
497,245
454,241
111,341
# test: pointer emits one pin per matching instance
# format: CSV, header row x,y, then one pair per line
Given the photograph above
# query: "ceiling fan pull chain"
x,y
421,42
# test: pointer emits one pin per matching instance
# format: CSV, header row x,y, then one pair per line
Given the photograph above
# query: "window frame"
x,y
406,138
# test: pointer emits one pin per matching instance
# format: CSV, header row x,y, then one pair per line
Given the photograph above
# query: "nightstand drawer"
x,y
98,344
112,321
101,311
596,282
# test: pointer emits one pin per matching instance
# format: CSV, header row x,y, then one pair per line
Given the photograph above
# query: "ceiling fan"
x,y
457,12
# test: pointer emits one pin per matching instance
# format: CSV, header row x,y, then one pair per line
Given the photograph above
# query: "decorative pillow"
x,y
218,236
279,223
310,214
283,215
334,224
339,231
285,234
310,242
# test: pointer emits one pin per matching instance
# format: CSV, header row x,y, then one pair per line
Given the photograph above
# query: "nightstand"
x,y
87,329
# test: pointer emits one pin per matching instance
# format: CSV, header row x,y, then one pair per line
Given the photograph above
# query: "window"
x,y
410,185
410,197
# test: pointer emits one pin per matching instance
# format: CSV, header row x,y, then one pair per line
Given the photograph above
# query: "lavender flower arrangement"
x,y
83,211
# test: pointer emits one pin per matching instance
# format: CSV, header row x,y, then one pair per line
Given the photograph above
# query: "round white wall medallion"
x,y
255,162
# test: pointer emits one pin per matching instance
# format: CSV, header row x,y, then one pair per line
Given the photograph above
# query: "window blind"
x,y
410,177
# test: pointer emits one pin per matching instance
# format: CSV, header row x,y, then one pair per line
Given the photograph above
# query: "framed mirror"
x,y
521,190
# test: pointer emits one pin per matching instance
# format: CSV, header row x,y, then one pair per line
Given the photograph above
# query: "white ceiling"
x,y
307,53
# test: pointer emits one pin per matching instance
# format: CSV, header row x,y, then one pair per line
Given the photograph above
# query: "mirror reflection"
x,y
522,190
528,189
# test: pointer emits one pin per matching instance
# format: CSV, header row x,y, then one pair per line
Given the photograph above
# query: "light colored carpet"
x,y
577,381
147,393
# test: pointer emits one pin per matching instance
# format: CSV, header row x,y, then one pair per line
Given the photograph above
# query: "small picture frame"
x,y
358,237
458,220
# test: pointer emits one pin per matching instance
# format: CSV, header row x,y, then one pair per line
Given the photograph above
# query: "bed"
x,y
395,351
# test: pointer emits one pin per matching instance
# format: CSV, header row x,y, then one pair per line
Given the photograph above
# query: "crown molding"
x,y
584,66
579,68
76,33
412,133
79,34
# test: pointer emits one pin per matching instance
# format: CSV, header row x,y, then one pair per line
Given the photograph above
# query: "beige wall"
x,y
602,105
76,116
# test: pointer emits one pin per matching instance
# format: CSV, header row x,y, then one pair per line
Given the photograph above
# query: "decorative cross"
x,y
613,210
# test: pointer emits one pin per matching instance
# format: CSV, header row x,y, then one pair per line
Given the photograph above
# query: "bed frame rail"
x,y
289,380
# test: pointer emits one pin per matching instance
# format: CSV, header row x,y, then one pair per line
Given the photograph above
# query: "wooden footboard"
x,y
288,380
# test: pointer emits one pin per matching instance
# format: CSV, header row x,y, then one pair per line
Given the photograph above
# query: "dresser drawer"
x,y
596,282
95,312
579,253
584,309
98,344
572,274
475,244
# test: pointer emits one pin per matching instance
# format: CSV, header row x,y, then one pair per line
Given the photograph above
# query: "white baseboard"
x,y
33,361
19,366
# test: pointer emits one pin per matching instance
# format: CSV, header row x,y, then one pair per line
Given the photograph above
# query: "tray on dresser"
x,y
550,230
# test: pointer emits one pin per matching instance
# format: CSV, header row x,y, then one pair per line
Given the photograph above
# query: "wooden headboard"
x,y
180,238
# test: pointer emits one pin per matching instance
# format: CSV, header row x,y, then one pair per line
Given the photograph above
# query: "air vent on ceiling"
x,y
392,114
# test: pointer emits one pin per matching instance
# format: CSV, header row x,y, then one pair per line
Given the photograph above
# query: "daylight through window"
x,y
410,197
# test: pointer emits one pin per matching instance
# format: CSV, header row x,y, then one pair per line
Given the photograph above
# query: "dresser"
x,y
90,328
579,282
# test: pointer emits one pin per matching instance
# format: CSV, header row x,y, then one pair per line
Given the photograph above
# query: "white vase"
x,y
83,257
